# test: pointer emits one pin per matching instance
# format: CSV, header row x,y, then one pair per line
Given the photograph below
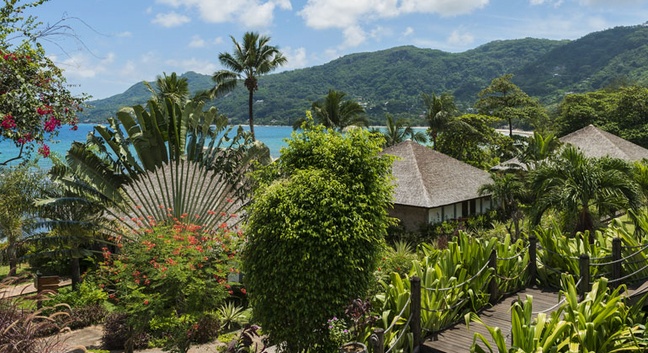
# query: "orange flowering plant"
x,y
172,274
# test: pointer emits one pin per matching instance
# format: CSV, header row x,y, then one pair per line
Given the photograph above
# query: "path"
x,y
26,288
459,338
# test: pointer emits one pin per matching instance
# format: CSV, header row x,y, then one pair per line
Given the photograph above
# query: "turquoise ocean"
x,y
273,136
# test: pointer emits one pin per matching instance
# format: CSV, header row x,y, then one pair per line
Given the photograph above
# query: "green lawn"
x,y
23,269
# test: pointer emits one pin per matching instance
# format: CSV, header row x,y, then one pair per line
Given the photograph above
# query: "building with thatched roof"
x,y
593,143
431,187
596,143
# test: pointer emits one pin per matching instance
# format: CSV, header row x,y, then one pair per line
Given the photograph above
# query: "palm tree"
x,y
71,226
439,113
248,61
506,191
335,112
399,131
172,87
580,187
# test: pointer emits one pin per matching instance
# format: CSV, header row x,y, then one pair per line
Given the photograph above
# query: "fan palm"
x,y
250,59
152,165
506,191
579,186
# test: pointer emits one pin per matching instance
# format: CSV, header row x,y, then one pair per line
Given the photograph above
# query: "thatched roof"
x,y
594,142
427,178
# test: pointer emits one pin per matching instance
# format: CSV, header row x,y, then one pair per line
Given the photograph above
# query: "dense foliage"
x,y
392,80
169,278
316,228
34,97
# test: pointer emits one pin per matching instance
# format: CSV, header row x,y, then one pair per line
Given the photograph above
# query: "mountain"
x,y
392,80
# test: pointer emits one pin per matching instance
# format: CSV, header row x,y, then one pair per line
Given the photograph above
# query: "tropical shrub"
x,y
170,278
117,331
601,322
315,233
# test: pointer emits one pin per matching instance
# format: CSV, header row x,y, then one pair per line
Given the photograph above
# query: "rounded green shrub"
x,y
316,230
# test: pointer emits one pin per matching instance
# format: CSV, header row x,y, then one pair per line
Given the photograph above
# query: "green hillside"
x,y
392,80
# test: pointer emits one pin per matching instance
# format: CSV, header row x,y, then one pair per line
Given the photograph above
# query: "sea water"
x,y
273,136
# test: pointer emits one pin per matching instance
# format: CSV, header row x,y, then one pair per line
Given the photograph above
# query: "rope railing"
x,y
402,333
515,256
621,279
399,316
462,283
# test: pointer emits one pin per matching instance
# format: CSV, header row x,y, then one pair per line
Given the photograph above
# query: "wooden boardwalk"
x,y
458,339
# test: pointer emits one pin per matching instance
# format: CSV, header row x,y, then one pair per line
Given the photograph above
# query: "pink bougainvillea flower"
x,y
44,150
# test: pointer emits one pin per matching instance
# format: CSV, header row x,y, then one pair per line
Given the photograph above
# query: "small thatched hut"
x,y
431,187
594,142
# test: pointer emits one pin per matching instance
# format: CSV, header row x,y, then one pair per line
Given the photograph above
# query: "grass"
x,y
22,271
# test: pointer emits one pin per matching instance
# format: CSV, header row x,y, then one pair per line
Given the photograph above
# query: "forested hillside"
x,y
392,80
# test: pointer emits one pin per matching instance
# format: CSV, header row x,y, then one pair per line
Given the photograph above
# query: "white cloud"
x,y
218,40
82,66
442,7
296,57
459,38
125,34
380,32
554,3
320,14
170,19
353,36
250,13
197,42
200,66
408,32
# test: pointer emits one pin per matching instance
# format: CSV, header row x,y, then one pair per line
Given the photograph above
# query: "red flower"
x,y
146,302
8,122
44,150
243,291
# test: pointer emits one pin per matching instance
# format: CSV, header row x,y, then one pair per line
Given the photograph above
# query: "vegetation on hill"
x,y
392,80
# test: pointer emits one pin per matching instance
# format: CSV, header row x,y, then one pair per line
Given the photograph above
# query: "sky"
x,y
112,44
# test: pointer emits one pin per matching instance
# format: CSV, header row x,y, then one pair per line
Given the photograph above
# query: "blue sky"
x,y
121,42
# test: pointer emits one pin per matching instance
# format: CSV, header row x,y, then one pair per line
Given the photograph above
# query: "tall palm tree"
x,y
581,187
439,113
400,130
336,112
250,59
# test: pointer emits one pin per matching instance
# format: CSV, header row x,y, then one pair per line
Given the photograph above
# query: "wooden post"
x,y
415,310
377,340
584,263
492,286
533,258
616,260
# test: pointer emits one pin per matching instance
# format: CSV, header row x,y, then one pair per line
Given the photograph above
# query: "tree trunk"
x,y
75,269
510,127
13,261
250,112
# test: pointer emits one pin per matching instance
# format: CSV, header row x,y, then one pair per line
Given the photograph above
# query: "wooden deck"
x,y
458,338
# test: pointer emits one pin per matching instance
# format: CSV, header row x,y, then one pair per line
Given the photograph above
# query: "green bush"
x,y
316,230
170,278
